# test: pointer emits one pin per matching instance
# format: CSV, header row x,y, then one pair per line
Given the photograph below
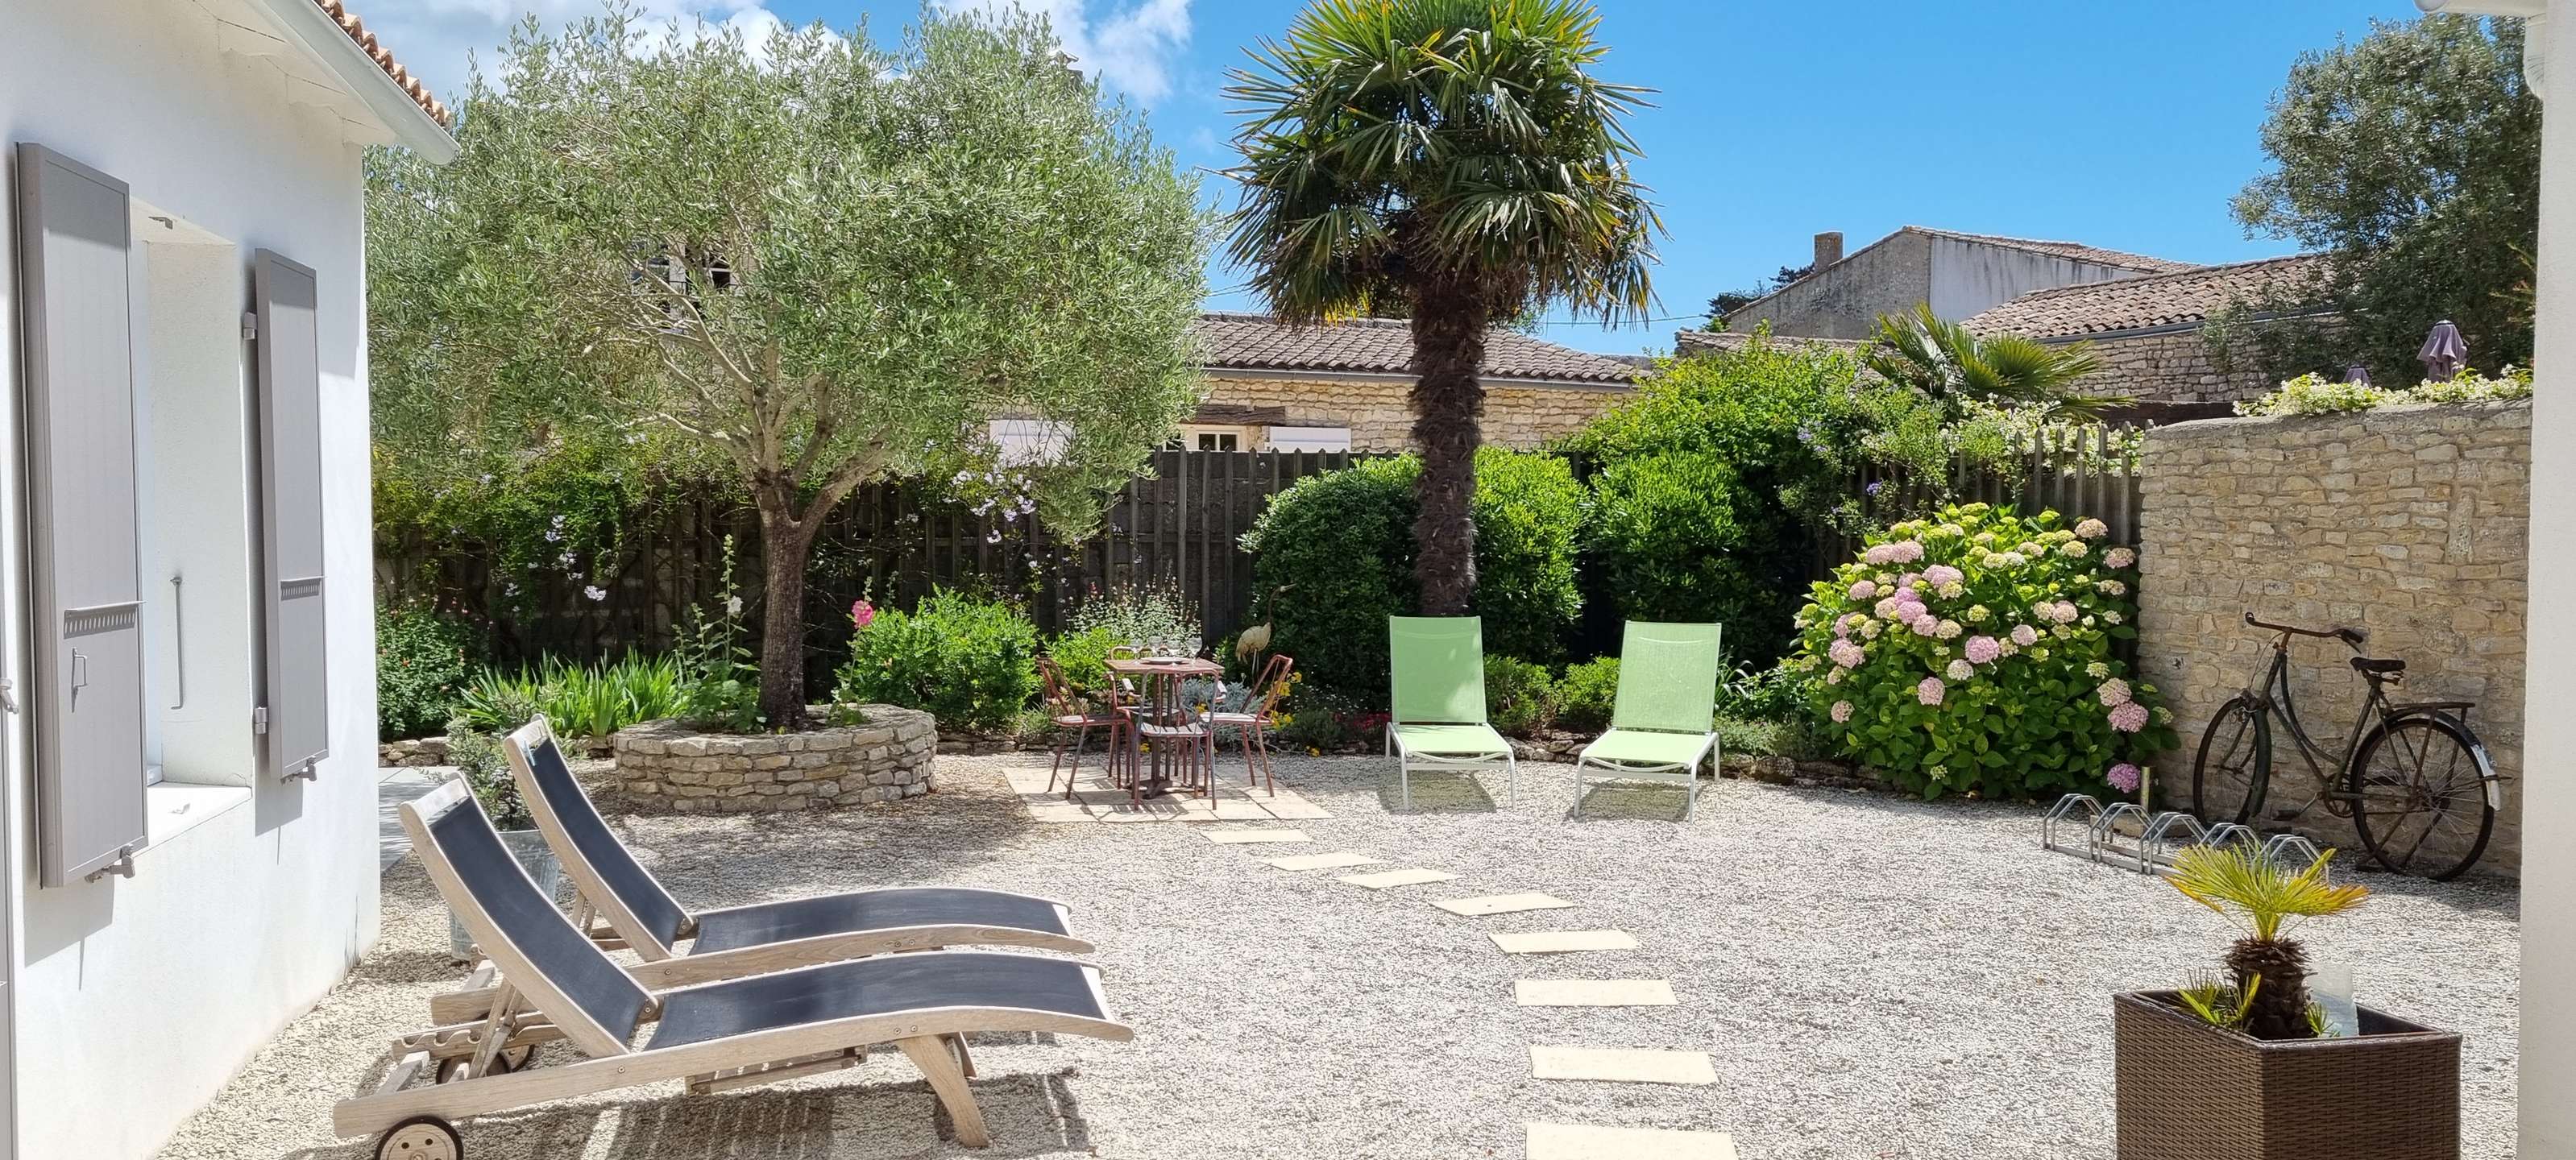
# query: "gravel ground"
x,y
1877,977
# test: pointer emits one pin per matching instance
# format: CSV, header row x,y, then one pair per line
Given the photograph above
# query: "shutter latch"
x,y
259,720
123,867
8,694
250,326
309,771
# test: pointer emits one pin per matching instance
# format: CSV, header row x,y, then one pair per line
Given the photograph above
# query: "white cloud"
x,y
433,37
1130,47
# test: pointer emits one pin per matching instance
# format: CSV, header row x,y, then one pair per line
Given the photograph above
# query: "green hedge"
x,y
1335,553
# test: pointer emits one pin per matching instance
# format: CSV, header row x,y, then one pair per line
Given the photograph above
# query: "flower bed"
x,y
1973,652
663,766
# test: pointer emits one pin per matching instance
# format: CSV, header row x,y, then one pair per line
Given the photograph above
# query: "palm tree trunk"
x,y
1448,404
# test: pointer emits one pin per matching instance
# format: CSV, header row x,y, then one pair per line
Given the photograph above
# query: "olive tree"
x,y
817,260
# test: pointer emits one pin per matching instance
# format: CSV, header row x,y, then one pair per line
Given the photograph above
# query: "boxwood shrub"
x,y
971,662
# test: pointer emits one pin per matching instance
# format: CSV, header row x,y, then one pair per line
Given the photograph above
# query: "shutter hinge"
x,y
250,326
259,719
123,867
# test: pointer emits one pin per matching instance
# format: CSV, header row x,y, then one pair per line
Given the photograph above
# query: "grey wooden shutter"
x,y
86,693
297,706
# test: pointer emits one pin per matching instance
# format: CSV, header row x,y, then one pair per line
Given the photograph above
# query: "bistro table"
x,y
1161,715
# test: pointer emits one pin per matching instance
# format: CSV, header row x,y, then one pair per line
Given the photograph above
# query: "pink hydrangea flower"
x,y
2129,717
1948,629
1878,554
1984,649
2123,777
2119,558
1942,576
2113,692
1909,579
1961,670
1930,691
861,612
1841,712
1925,625
1906,551
2092,530
1887,606
1846,654
1864,589
2065,612
2024,635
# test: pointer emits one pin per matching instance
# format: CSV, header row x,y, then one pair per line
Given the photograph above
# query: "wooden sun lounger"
x,y
558,984
642,916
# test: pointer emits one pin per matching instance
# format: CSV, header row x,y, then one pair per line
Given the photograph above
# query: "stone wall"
x,y
661,766
1381,418
2174,367
2410,522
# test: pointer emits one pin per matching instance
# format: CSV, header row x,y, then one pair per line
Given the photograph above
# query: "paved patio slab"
x,y
1551,942
1622,1065
1250,837
1594,993
1332,861
1390,879
1580,1142
1501,904
1101,801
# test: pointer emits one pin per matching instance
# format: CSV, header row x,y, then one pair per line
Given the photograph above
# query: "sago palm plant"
x,y
1949,363
2269,970
1454,162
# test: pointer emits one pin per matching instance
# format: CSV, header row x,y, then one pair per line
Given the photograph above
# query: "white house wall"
x,y
2548,1030
135,1000
1969,277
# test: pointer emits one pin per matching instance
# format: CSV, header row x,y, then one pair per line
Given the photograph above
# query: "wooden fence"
x,y
2079,472
1178,526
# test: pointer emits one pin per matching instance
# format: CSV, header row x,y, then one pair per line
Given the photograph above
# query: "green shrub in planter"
x,y
1586,694
1972,652
1519,698
971,663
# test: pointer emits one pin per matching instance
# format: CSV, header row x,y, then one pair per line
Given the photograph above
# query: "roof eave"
x,y
322,39
1347,375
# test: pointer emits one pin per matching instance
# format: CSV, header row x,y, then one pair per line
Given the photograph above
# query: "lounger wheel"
x,y
421,1138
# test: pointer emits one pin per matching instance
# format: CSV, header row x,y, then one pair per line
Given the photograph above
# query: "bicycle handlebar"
x,y
2342,632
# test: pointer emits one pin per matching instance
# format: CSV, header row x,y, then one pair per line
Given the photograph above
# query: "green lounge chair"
x,y
1437,664
1665,720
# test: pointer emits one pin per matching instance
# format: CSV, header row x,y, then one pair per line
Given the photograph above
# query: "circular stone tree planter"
x,y
886,757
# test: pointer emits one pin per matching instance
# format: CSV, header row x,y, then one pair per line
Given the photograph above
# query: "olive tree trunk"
x,y
1449,322
786,544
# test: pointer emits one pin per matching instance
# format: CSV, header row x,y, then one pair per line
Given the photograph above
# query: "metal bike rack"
x,y
2127,836
2074,812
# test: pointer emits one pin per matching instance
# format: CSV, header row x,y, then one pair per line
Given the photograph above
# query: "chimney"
x,y
1829,248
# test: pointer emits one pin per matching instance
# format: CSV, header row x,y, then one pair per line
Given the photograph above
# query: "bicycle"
x,y
2419,772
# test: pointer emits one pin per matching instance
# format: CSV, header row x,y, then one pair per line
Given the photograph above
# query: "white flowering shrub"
x,y
1971,652
2314,394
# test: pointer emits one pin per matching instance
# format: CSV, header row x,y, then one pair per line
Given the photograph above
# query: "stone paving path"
x,y
394,786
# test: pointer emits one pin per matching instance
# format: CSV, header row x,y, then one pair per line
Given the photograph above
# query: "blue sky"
x,y
2119,123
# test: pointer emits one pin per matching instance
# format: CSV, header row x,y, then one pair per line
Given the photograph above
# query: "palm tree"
x,y
1455,162
2269,972
1948,363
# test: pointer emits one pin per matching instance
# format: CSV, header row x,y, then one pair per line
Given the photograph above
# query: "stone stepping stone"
x,y
1332,861
1551,942
1582,1142
1058,812
1622,1065
1594,993
1390,879
1501,904
1243,837
1288,807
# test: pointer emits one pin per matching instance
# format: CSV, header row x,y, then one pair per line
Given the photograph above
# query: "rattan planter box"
x,y
2189,1091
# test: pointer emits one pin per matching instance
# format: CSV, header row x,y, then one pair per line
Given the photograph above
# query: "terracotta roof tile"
x,y
384,58
2139,303
1385,346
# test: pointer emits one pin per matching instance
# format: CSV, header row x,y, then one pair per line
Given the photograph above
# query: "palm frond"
x,y
2242,884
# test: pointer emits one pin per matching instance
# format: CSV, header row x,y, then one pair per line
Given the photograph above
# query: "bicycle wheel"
x,y
2420,797
2234,766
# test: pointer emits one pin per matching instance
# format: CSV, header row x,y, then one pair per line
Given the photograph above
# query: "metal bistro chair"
x,y
1165,722
1067,711
1259,715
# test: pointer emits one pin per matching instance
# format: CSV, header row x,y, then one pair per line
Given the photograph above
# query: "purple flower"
x,y
1929,692
2123,777
1984,649
2129,717
1942,576
1873,487
1863,590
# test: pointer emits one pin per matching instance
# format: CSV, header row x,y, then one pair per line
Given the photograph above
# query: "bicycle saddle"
x,y
2378,667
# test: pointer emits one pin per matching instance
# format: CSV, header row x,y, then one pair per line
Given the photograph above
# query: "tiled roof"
x,y
2140,303
2076,251
1385,346
1691,342
384,58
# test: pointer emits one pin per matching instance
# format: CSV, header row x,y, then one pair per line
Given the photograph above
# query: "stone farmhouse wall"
x,y
1381,419
2410,522
2173,367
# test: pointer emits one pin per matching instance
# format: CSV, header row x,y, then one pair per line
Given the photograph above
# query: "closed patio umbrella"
x,y
2444,353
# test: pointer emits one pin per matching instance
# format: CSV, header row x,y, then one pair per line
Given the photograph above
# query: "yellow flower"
x,y
1311,751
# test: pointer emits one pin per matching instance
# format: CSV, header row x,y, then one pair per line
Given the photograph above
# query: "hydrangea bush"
x,y
2314,394
1971,652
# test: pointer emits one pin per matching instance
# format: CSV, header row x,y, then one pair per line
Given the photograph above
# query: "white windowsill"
x,y
172,808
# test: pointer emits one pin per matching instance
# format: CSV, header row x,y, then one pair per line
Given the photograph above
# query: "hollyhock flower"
x,y
1942,575
1961,670
2119,558
2114,692
2123,777
861,612
733,606
1984,649
1930,691
1863,590
1948,629
2092,530
1846,654
1841,712
2024,635
2129,717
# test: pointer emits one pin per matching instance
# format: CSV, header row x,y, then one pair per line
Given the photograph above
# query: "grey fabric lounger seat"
x,y
767,935
557,984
